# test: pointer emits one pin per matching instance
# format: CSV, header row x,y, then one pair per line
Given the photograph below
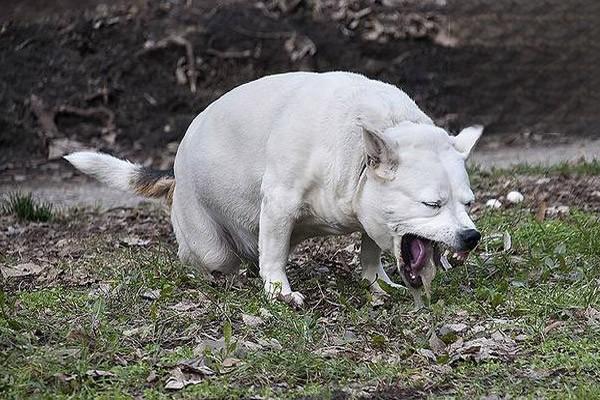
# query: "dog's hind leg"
x,y
201,240
372,269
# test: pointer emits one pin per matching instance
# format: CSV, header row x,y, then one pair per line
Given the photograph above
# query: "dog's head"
x,y
416,193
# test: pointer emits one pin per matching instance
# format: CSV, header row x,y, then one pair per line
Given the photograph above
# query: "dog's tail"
x,y
124,175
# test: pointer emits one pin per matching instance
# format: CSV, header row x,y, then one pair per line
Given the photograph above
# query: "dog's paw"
x,y
274,291
294,299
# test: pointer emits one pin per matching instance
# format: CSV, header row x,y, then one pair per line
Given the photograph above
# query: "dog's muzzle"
x,y
416,252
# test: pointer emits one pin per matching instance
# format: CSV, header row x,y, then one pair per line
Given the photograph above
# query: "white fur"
x,y
107,169
282,158
279,159
467,139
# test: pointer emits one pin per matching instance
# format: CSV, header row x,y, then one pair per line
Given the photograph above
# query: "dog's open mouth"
x,y
416,252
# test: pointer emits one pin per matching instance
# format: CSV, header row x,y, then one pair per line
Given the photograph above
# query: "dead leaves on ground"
x,y
373,22
20,270
456,342
133,241
211,357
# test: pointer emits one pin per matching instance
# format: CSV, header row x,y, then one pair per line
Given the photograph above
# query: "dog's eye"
x,y
432,204
468,204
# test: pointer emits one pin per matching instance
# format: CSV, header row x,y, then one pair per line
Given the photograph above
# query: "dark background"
x,y
528,70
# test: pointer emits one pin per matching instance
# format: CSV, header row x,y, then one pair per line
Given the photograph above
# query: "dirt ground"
x,y
104,310
128,77
93,302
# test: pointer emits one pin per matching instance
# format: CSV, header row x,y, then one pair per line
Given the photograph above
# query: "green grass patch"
x,y
25,207
564,168
541,293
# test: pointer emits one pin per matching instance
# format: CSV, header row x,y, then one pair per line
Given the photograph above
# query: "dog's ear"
x,y
466,139
379,153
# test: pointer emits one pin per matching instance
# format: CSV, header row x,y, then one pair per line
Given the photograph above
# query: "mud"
x,y
527,70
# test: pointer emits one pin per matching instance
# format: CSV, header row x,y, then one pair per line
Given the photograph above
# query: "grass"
x,y
584,168
542,293
25,207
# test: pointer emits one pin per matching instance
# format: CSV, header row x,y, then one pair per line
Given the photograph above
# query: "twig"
x,y
24,44
178,40
102,92
230,53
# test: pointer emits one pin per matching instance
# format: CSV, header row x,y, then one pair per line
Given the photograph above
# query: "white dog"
x,y
296,155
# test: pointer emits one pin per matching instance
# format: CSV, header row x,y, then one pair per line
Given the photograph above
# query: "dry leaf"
x,y
252,320
178,380
265,313
151,294
270,343
251,346
184,305
436,344
132,241
299,46
142,331
103,290
230,362
498,346
196,365
507,241
447,329
98,373
328,352
152,377
64,378
553,325
20,270
592,315
427,354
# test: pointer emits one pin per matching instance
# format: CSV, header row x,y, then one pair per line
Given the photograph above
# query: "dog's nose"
x,y
470,238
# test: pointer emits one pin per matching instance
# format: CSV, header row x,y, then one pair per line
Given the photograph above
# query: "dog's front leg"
x,y
372,269
277,216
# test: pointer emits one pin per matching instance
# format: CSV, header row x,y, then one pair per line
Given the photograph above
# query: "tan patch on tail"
x,y
162,187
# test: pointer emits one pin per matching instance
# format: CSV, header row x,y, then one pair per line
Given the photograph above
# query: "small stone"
x,y
152,377
493,203
514,197
563,210
557,211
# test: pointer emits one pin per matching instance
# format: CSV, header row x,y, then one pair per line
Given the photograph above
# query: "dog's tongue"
x,y
417,254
